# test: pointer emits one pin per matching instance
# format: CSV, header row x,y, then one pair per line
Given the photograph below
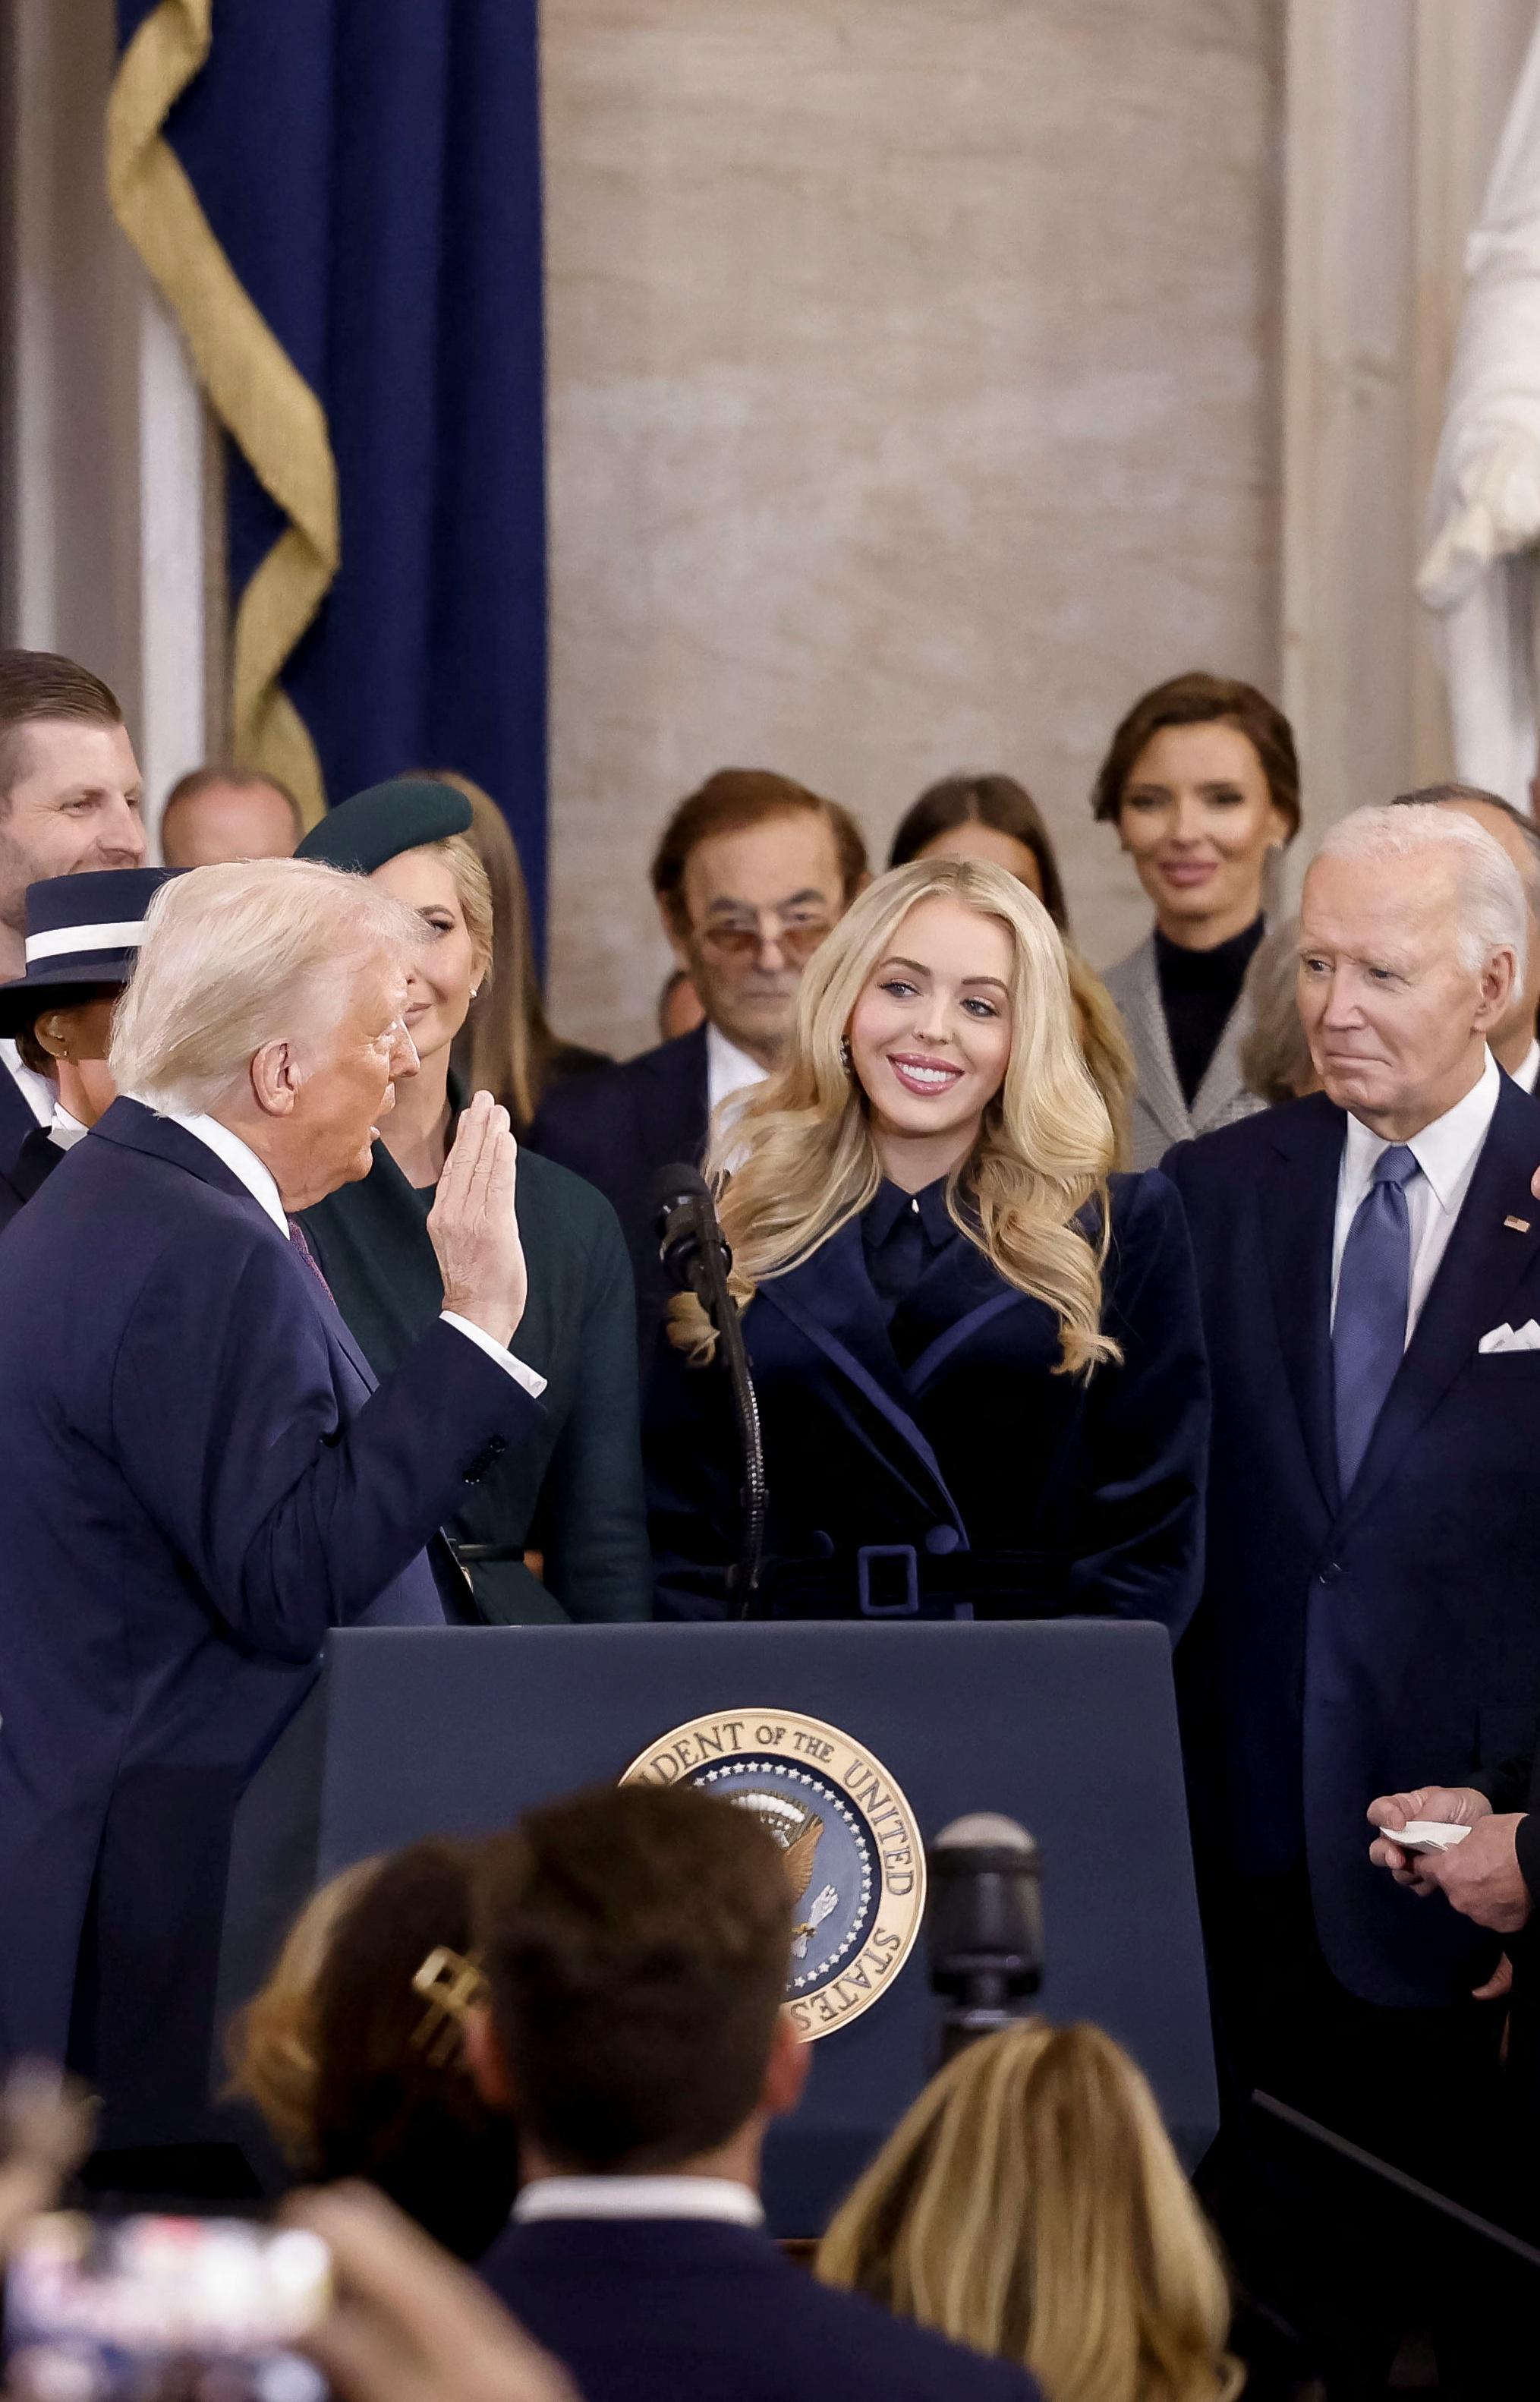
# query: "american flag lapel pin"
x,y
1519,1226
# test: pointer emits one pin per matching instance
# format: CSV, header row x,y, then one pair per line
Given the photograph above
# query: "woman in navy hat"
x,y
574,1501
82,941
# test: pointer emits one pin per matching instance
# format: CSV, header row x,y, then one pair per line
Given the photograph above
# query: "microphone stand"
x,y
705,1263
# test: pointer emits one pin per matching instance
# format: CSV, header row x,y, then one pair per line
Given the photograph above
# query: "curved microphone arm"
x,y
695,1252
710,1288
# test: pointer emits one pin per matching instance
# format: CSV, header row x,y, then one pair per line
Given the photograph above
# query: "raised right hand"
x,y
473,1223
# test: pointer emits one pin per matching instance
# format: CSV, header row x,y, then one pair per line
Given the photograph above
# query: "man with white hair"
x,y
1513,1042
201,1475
1369,1265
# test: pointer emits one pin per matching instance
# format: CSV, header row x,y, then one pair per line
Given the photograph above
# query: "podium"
x,y
1066,1725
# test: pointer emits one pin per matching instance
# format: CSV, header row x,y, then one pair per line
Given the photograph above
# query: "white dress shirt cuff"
x,y
534,1384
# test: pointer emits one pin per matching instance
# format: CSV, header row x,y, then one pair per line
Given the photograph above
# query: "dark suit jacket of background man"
x,y
200,1480
644,2308
617,1129
1349,1647
16,1119
29,1171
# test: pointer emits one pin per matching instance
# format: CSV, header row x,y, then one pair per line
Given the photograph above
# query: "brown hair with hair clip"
x,y
352,2050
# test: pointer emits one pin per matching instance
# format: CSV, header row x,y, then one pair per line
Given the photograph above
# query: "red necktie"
x,y
296,1237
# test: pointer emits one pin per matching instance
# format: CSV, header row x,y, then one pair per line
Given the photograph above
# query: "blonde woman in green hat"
x,y
558,1532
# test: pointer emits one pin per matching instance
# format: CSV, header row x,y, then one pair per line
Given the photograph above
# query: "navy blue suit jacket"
x,y
200,1477
617,1128
1086,1498
649,2310
1358,1645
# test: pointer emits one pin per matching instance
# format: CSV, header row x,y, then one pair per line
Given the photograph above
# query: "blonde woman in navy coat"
x,y
976,1351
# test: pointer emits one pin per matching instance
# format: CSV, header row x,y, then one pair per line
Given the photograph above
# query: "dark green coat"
x,y
575,1494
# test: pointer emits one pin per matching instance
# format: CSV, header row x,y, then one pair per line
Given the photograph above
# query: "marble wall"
x,y
914,398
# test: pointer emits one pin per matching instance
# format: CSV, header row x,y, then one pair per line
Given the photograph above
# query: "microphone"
x,y
688,1234
985,1925
696,1258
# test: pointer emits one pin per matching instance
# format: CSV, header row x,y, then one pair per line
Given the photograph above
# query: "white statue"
x,y
1483,560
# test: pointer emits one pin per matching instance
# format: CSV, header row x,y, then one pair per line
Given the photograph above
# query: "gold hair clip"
x,y
453,1986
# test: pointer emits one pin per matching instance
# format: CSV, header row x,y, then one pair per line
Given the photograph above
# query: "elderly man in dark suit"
x,y
637,1945
749,874
201,1474
1370,1615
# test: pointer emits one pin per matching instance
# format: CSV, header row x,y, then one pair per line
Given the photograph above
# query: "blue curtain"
x,y
372,170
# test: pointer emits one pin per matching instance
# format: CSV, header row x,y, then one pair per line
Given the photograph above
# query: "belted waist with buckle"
x,y
896,1581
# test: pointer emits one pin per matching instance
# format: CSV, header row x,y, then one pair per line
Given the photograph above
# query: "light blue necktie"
x,y
1368,1333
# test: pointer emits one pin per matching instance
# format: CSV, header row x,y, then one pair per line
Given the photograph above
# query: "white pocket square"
x,y
1511,1339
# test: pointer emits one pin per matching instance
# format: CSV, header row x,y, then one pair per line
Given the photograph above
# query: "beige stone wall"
x,y
912,404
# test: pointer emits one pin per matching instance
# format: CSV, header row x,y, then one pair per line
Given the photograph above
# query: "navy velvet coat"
x,y
1009,1489
1351,1647
200,1477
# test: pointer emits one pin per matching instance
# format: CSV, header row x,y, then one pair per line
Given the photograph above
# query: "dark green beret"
x,y
363,833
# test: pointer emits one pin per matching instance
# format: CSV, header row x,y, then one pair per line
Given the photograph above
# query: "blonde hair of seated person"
x,y
1030,2204
274,2042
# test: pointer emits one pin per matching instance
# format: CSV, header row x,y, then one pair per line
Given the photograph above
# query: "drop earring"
x,y
845,1056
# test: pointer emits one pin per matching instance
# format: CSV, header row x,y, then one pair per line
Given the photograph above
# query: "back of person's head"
x,y
215,775
636,1942
1523,847
990,800
239,956
731,800
1275,1061
42,686
1198,699
1030,2204
358,2071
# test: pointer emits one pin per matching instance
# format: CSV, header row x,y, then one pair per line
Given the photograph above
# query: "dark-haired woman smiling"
x,y
1203,783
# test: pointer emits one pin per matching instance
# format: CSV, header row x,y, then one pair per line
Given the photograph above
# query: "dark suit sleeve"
x,y
695,1476
597,1562
1507,1786
570,1125
291,1517
1138,1542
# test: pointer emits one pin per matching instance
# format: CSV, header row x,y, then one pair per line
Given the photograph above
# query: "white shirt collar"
x,y
1444,1150
728,1069
1528,1067
36,1090
237,1156
65,1131
639,2196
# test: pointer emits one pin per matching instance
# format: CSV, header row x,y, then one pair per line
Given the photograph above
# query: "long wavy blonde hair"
x,y
795,1160
1030,2204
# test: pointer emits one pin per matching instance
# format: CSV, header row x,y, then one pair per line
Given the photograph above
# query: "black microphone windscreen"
x,y
676,1183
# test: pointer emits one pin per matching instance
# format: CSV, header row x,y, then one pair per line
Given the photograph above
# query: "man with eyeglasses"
x,y
751,872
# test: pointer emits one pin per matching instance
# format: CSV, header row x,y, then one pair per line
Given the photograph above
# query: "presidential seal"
x,y
853,1853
